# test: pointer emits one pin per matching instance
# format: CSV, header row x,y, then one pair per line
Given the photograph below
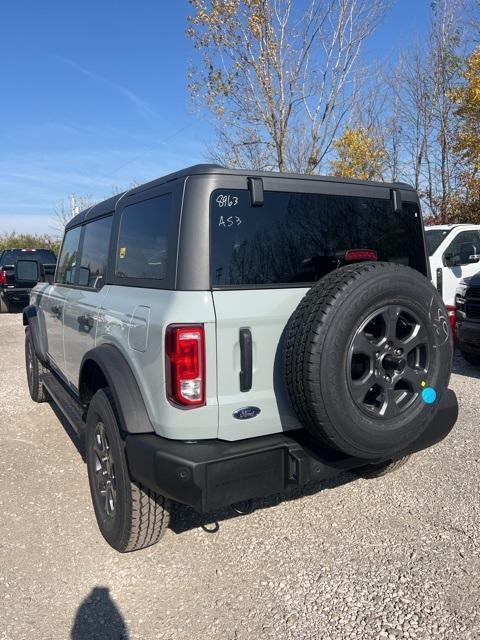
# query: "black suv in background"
x,y
467,301
20,270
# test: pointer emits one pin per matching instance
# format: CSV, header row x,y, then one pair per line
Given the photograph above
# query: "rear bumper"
x,y
15,293
211,474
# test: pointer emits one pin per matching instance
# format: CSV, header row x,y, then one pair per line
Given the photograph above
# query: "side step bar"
x,y
67,404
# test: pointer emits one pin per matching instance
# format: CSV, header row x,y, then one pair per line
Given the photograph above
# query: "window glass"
x,y
453,250
142,250
93,261
299,237
27,270
67,263
434,238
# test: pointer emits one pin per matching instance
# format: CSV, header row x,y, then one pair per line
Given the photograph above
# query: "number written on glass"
x,y
226,200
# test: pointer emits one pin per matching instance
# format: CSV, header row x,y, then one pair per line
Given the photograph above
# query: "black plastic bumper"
x,y
210,474
468,335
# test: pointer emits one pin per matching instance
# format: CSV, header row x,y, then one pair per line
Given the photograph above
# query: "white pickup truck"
x,y
454,252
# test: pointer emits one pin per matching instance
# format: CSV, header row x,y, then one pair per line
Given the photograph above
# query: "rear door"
x,y
263,261
53,298
85,298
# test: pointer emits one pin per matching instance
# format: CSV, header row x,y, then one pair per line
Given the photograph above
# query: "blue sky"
x,y
94,96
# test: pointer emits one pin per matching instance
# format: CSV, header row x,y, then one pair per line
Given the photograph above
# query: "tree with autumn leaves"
x,y
467,141
291,90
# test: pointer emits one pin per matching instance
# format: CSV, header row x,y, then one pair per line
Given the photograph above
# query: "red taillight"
x,y
185,370
354,255
3,277
452,318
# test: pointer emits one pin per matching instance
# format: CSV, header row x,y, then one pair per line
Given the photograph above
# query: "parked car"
x,y
221,335
454,252
467,301
20,270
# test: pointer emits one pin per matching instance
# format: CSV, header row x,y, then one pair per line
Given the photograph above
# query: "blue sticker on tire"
x,y
429,395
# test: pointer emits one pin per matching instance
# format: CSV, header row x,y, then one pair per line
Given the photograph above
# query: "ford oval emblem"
x,y
245,413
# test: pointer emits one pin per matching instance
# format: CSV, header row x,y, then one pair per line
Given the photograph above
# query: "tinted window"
x,y
44,256
142,250
434,238
67,263
27,270
93,261
299,237
470,237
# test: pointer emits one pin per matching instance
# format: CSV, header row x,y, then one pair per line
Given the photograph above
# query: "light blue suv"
x,y
221,335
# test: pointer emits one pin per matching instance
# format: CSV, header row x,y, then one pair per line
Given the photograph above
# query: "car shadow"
x,y
99,617
183,518
463,368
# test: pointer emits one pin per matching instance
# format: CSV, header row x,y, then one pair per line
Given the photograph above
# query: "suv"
x,y
222,335
20,270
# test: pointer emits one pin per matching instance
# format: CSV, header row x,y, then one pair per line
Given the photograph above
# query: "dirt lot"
x,y
391,558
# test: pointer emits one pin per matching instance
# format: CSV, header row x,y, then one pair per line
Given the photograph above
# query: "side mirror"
x,y
27,271
468,253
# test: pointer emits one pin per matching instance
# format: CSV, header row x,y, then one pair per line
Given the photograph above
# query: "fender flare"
x,y
122,383
31,320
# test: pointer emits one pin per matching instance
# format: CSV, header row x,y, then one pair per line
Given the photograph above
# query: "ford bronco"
x,y
222,335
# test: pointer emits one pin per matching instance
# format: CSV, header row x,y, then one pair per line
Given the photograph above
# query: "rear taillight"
x,y
357,255
452,318
185,364
3,277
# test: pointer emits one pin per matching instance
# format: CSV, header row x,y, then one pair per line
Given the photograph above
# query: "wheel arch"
x,y
105,366
31,320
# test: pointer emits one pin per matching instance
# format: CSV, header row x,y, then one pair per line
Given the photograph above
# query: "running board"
x,y
64,400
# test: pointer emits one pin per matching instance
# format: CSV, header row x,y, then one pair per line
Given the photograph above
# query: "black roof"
x,y
106,206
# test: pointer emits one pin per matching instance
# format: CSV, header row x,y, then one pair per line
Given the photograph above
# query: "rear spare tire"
x,y
368,357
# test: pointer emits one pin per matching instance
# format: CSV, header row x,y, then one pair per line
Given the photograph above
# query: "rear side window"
x,y
142,250
93,261
300,237
67,262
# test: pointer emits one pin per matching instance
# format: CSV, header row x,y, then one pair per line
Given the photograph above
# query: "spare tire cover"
x,y
368,357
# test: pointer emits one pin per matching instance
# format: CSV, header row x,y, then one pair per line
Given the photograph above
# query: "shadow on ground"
x,y
98,618
463,368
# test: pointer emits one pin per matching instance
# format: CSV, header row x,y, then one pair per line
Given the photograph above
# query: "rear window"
x,y
300,237
44,256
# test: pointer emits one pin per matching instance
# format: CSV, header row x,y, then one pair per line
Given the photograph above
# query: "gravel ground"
x,y
391,558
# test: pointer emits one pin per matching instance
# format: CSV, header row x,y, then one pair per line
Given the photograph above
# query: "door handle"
x,y
246,359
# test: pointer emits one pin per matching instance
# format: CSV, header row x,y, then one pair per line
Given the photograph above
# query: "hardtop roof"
x,y
107,206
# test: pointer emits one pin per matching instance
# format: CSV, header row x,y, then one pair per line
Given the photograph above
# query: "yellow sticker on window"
x,y
123,252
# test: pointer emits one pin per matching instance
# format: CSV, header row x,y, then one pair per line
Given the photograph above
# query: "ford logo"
x,y
245,413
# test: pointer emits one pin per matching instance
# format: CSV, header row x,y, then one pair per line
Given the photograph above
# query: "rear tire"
x,y
472,358
129,515
35,369
370,471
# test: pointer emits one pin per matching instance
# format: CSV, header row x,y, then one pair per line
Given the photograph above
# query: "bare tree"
x,y
65,210
280,79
